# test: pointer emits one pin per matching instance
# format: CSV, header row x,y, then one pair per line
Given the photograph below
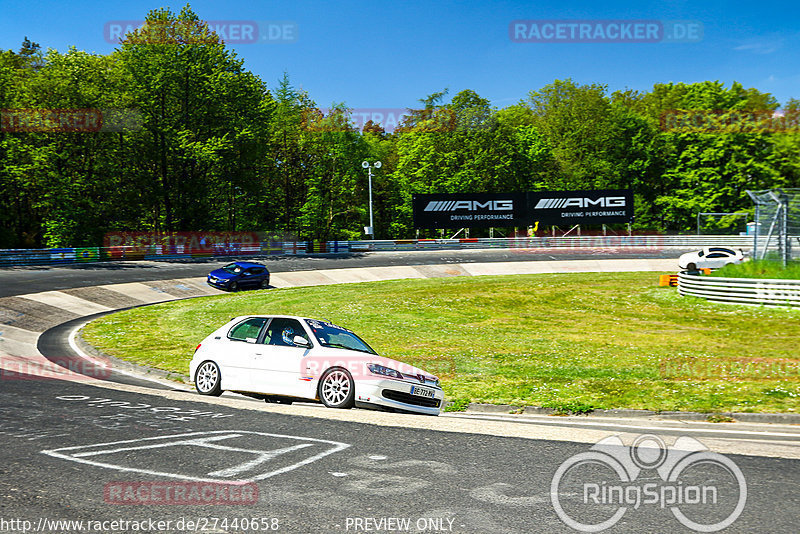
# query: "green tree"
x,y
580,125
334,206
200,112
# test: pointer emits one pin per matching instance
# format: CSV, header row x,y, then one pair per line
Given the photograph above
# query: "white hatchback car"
x,y
287,358
710,258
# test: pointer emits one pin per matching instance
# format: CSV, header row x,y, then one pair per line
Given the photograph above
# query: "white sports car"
x,y
710,257
286,358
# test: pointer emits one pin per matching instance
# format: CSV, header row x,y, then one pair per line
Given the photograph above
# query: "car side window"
x,y
281,331
248,329
717,255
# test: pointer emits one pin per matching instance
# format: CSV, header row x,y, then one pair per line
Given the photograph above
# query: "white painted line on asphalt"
x,y
252,464
600,424
200,442
197,440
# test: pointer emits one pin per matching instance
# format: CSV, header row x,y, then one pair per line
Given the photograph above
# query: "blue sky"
x,y
389,54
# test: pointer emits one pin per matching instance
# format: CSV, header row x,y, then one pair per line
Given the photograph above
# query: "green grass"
x,y
572,342
760,269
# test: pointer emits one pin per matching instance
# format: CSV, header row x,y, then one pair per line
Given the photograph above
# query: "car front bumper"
x,y
218,283
396,394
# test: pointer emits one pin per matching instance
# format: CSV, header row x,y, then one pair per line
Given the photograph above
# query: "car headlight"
x,y
376,369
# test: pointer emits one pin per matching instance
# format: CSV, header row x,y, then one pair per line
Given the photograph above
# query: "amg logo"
x,y
579,202
470,205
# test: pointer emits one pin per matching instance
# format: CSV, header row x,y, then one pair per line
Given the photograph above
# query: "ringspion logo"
x,y
703,490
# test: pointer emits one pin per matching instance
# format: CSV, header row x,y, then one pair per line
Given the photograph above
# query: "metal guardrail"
x,y
634,241
165,252
757,291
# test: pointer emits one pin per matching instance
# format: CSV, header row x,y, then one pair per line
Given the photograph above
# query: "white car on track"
x,y
288,358
710,258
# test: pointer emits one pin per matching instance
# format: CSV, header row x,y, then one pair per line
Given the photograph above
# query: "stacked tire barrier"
x,y
755,291
157,252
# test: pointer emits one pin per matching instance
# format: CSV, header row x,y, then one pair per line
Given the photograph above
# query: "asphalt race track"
x,y
484,484
20,280
123,456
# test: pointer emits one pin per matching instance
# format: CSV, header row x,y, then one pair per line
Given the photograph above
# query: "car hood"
x,y
222,274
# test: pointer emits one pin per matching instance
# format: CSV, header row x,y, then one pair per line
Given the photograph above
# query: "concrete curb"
x,y
506,409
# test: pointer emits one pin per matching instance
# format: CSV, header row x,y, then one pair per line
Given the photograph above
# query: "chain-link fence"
x,y
776,232
727,223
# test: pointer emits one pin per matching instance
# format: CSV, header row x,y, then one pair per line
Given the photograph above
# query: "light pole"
x,y
370,230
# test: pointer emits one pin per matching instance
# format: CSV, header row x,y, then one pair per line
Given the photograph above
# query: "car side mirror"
x,y
300,341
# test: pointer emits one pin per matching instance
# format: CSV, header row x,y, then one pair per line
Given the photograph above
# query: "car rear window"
x,y
247,329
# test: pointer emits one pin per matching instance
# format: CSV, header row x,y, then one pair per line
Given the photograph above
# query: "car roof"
x,y
276,316
247,264
265,316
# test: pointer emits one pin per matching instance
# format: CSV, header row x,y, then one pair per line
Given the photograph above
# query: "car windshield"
x,y
330,335
232,268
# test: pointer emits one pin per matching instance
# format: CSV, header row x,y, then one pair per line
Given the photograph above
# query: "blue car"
x,y
240,275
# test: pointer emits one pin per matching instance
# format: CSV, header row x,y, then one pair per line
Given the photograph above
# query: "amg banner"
x,y
475,210
581,207
469,210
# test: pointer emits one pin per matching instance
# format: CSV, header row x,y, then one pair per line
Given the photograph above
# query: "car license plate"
x,y
422,392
